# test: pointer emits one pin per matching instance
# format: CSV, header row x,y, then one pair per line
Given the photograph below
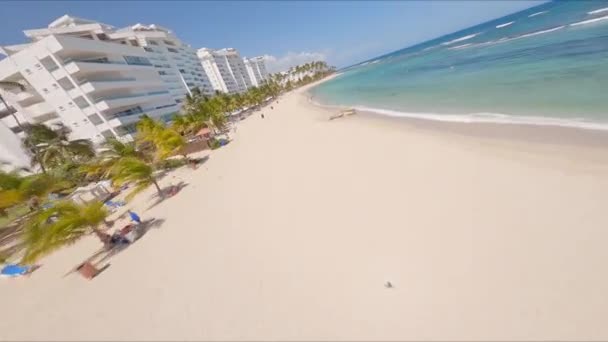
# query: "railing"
x,y
101,60
120,97
137,110
109,80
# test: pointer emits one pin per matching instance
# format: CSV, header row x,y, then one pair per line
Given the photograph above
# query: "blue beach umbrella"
x,y
13,270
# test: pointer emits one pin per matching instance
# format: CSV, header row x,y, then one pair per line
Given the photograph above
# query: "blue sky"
x,y
342,32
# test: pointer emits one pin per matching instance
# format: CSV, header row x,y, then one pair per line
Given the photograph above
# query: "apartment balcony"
x,y
47,118
135,115
39,109
101,65
4,112
89,86
116,101
26,98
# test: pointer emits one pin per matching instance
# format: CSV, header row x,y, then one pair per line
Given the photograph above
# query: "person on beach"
x,y
262,115
134,217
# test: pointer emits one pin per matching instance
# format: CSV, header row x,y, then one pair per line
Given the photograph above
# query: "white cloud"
x,y
276,64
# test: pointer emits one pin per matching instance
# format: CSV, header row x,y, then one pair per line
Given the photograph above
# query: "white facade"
x,y
256,69
176,62
225,69
212,70
11,152
76,74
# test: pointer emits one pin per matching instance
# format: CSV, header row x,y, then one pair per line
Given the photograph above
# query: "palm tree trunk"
x,y
160,192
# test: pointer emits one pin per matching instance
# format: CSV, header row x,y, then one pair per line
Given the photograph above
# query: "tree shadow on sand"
x,y
168,192
100,258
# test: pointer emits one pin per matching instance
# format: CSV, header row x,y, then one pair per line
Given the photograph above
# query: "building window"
x,y
172,50
81,102
136,60
152,42
95,119
49,63
65,83
107,134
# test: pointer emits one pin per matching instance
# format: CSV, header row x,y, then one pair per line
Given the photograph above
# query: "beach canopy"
x,y
12,270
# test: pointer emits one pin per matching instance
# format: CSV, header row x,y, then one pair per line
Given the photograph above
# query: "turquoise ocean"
x,y
547,65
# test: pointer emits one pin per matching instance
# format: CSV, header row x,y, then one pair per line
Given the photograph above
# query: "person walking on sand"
x,y
134,217
262,115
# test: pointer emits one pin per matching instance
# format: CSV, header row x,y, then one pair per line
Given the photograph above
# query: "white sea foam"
x,y
507,39
491,118
458,47
537,13
537,33
601,10
590,21
504,25
461,39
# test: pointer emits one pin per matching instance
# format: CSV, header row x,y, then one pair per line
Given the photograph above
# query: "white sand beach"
x,y
292,230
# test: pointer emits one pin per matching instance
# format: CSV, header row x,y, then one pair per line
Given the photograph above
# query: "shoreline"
x,y
292,231
505,131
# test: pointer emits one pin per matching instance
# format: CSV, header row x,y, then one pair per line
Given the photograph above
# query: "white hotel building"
x,y
177,63
229,73
95,80
256,69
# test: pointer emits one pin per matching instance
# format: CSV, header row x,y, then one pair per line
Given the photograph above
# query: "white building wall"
x,y
230,67
177,63
96,88
12,155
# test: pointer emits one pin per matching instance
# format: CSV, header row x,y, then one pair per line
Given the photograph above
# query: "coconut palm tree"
x,y
134,170
188,123
111,152
16,189
155,137
63,223
54,147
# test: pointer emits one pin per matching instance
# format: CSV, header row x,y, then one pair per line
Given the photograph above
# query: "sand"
x,y
292,230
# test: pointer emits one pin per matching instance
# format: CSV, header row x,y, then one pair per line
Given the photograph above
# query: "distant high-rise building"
x,y
225,69
256,69
176,62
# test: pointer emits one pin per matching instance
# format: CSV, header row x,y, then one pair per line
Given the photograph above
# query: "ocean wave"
x,y
458,47
506,39
504,25
601,10
590,21
461,39
495,118
537,13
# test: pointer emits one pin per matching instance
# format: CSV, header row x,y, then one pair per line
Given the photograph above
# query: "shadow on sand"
x,y
168,192
99,259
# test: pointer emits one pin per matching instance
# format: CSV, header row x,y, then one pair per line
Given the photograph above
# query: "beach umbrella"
x,y
13,270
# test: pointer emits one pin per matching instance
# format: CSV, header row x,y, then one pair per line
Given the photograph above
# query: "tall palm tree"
x,y
63,223
55,148
134,170
155,137
111,152
15,189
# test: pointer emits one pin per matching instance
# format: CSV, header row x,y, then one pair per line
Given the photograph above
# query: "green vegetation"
x,y
47,225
